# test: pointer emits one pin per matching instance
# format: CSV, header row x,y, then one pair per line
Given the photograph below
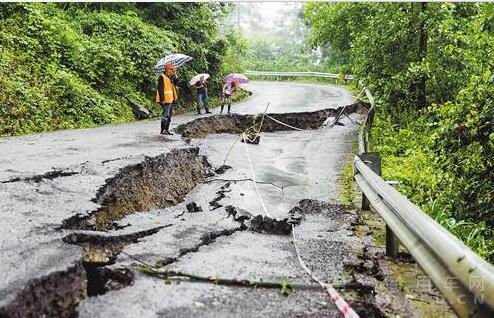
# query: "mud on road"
x,y
80,236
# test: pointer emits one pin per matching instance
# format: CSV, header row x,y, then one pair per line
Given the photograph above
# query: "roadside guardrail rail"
x,y
297,74
464,278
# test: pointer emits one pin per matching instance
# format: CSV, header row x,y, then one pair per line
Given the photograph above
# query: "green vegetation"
x,y
276,42
429,65
431,69
72,65
346,182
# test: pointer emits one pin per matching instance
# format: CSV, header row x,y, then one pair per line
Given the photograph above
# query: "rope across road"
x,y
340,303
254,178
284,124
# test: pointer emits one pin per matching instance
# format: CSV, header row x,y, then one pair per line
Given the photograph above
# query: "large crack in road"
x,y
237,123
156,182
167,207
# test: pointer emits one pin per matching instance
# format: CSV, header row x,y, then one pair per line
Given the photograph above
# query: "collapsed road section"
x,y
237,123
153,184
156,182
103,230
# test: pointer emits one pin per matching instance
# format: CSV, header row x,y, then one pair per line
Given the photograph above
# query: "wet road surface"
x,y
48,178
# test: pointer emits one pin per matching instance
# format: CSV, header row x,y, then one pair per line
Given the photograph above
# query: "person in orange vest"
x,y
167,96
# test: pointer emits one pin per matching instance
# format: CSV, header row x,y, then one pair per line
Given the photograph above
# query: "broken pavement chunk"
x,y
265,224
222,169
192,207
239,215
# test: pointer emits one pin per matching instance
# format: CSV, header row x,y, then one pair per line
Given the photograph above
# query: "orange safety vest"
x,y
169,90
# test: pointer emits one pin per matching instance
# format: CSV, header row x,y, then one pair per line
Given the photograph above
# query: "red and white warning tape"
x,y
340,303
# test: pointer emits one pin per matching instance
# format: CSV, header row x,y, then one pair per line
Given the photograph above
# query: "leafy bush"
x,y
431,67
410,157
72,65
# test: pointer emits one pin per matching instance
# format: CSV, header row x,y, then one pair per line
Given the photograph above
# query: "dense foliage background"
x,y
72,65
275,37
431,67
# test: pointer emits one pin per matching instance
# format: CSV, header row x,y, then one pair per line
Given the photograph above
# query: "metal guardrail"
x,y
463,277
365,130
297,74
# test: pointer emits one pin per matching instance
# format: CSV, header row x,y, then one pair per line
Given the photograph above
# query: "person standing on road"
x,y
202,95
226,95
167,96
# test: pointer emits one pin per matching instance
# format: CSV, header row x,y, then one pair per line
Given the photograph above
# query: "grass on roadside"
x,y
408,159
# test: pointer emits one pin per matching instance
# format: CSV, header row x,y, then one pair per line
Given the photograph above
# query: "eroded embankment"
x,y
237,123
55,295
157,182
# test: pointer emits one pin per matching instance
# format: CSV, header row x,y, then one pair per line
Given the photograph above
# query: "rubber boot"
x,y
222,106
229,105
163,127
167,127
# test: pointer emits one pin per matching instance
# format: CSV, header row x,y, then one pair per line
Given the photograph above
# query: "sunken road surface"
x,y
97,212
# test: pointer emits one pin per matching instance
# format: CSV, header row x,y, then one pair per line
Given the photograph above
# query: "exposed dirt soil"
x,y
156,182
56,295
237,123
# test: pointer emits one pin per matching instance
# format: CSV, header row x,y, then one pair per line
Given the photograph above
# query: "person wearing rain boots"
x,y
226,95
167,96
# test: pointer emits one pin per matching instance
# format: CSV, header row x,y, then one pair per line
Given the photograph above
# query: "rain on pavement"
x,y
48,179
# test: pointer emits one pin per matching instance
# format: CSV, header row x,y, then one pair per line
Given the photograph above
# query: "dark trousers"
x,y
204,98
167,111
167,115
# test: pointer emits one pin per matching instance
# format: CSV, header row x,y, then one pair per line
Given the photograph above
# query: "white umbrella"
x,y
196,78
177,60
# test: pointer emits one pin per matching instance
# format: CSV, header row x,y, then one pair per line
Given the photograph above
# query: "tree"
x,y
431,67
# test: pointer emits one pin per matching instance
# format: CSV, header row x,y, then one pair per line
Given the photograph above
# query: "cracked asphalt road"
x,y
77,163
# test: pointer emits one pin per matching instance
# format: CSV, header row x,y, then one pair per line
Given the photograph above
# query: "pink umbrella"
x,y
240,78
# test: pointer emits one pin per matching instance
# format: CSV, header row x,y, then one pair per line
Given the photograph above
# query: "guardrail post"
x,y
373,161
392,242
